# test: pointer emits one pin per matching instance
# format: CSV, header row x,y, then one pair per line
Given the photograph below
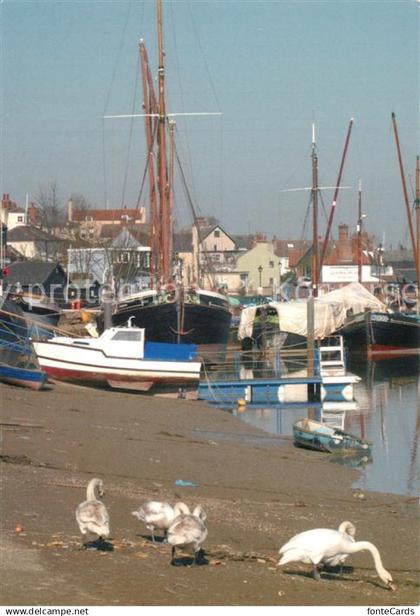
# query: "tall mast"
x,y
359,234
150,107
335,197
171,181
162,164
407,203
417,204
315,215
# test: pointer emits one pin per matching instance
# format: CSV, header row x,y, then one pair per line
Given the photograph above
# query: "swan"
x,y
188,531
325,545
92,515
156,515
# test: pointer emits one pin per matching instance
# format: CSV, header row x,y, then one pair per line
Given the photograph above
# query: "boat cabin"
x,y
127,342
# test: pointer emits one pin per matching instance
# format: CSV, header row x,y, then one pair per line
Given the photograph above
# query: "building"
x,y
33,243
11,214
124,258
402,263
36,277
89,222
261,268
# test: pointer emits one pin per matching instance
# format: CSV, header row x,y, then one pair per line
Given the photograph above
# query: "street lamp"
x,y
260,269
279,290
379,261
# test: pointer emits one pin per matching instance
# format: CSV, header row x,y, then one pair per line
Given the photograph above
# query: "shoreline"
x,y
258,491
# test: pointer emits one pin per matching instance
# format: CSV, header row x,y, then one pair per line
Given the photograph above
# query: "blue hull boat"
x,y
31,378
321,437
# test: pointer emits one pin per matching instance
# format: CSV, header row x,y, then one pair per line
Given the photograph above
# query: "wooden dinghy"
x,y
321,437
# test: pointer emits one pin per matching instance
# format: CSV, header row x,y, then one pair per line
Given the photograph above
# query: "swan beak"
x,y
392,587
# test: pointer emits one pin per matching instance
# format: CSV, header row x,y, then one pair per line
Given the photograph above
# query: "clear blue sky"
x,y
272,68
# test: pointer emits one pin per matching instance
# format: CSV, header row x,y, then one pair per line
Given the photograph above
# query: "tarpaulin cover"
x,y
331,310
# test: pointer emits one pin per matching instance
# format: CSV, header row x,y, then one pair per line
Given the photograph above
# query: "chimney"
x,y
5,202
260,237
344,245
201,221
70,210
32,214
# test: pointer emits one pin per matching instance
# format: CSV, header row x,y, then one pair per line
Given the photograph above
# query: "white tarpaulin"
x,y
355,297
330,311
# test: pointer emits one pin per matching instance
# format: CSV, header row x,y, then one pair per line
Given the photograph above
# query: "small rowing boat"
x,y
321,437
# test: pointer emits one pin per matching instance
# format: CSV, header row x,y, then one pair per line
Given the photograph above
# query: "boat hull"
x,y
203,325
22,377
381,335
90,366
320,437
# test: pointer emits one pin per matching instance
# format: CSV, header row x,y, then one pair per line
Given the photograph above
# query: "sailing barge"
x,y
382,335
169,311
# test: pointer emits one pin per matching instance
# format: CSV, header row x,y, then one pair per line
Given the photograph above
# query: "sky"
x,y
270,68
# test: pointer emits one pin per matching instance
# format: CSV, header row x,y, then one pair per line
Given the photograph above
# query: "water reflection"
x,y
385,412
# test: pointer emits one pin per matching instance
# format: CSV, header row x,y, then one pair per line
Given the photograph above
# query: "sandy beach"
x,y
257,491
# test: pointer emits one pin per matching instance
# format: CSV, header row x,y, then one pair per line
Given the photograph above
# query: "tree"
x,y
80,203
50,208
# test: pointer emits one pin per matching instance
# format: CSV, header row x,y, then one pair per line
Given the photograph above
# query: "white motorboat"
x,y
120,358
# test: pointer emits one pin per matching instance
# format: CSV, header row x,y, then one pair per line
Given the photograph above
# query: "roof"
x,y
139,232
206,230
398,256
26,233
243,241
283,248
31,272
107,215
183,241
127,239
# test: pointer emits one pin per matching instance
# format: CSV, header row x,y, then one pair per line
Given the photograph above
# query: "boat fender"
x,y
241,405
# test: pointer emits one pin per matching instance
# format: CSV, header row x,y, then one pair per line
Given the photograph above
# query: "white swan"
x,y
325,545
155,515
92,515
188,531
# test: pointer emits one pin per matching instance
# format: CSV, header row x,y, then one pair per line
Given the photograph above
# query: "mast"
x,y
359,234
417,205
315,266
335,197
407,204
165,230
171,181
150,107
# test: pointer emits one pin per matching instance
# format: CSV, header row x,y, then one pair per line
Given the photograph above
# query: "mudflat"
x,y
258,491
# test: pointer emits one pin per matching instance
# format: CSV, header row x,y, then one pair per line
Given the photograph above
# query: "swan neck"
x,y
358,546
92,490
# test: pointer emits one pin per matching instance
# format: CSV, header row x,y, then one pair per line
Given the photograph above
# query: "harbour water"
x,y
385,412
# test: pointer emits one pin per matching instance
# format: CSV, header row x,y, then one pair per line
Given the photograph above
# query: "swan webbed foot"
x,y
153,537
198,557
316,573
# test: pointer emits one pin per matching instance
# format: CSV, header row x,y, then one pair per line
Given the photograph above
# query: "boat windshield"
x,y
128,335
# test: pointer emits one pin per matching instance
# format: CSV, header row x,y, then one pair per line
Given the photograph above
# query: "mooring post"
x,y
107,298
314,390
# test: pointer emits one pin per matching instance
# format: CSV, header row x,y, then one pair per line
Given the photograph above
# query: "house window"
x,y
271,282
214,246
271,264
20,218
217,233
